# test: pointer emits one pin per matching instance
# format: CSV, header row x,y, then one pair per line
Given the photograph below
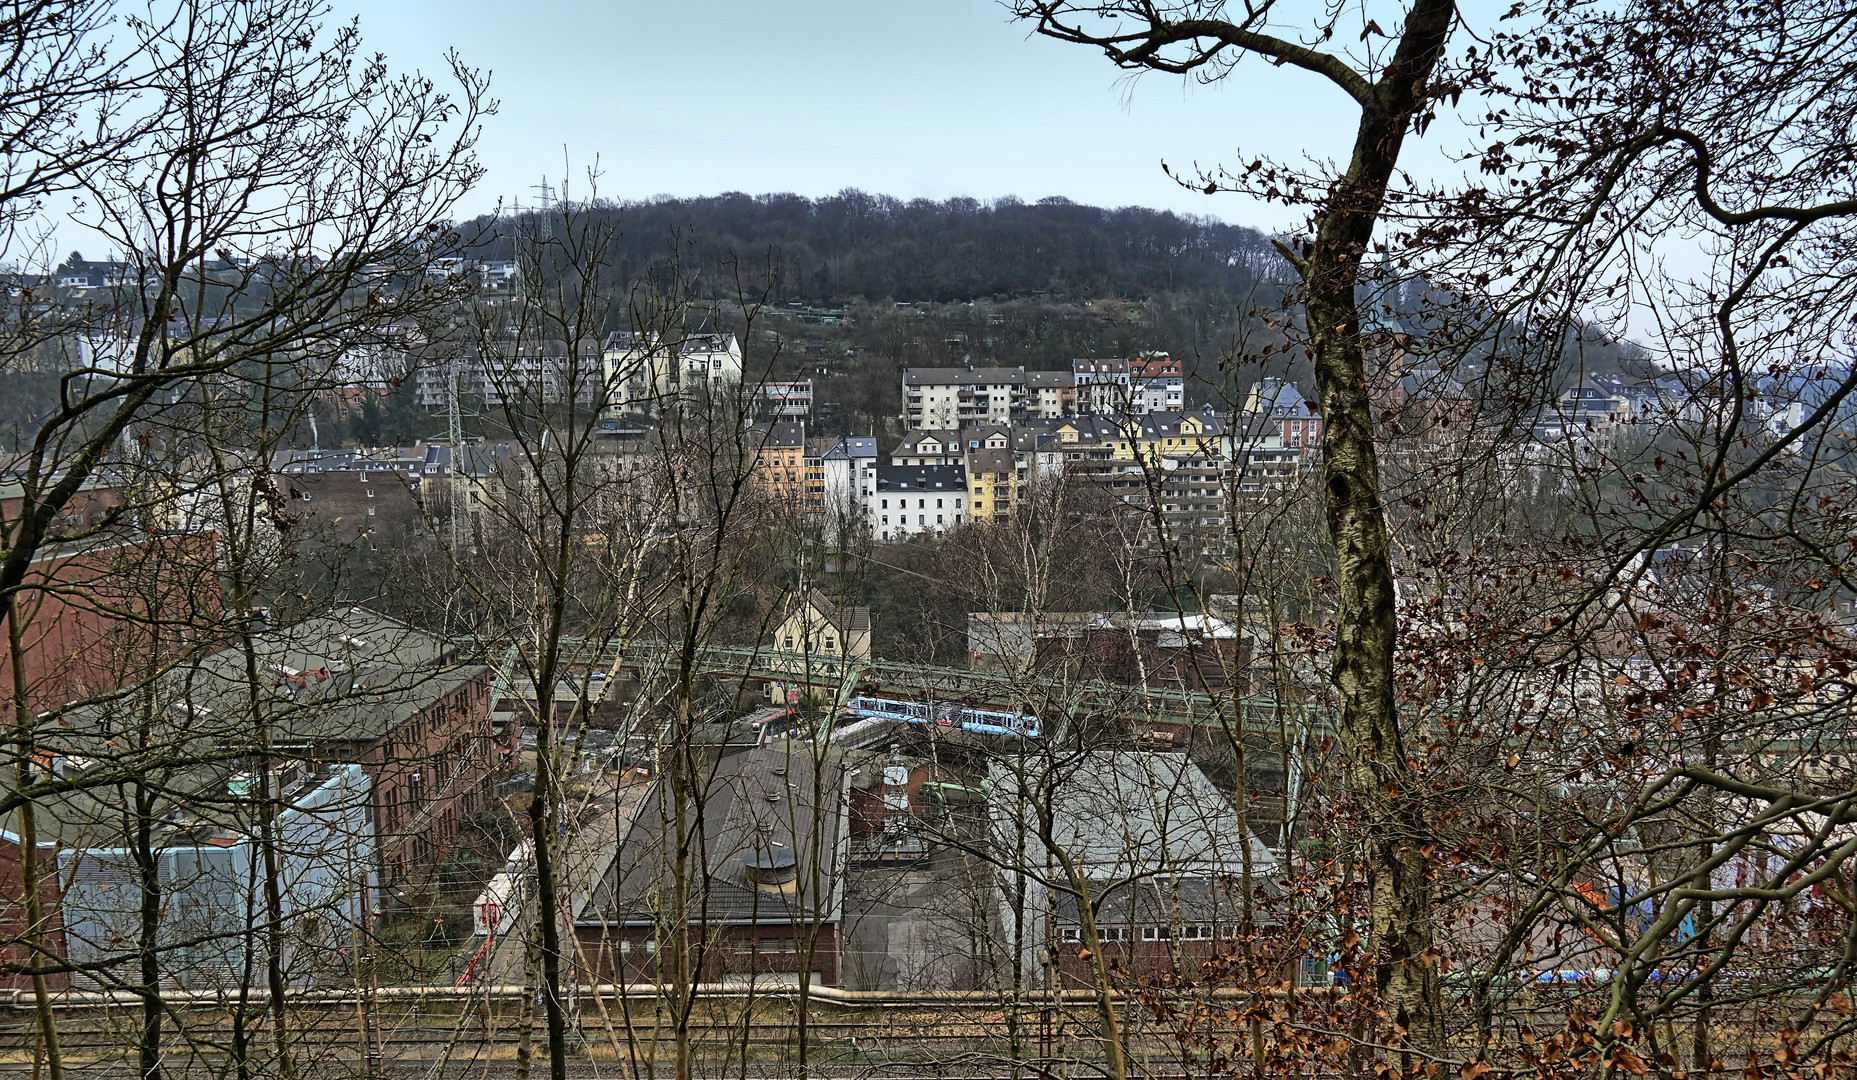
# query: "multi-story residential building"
x,y
514,374
785,400
992,479
1050,394
953,398
644,371
849,466
1275,407
1156,383
929,448
914,500
355,486
1102,386
784,466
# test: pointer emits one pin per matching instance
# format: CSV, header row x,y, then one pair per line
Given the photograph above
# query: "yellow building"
x,y
992,484
814,626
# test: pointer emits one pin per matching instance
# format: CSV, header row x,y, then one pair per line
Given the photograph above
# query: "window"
x,y
886,506
787,642
938,504
1072,933
831,643
886,521
921,519
920,503
1151,933
1196,933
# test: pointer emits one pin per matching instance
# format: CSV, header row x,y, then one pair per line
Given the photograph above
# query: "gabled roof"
x,y
1278,399
845,619
950,441
845,447
757,811
1165,423
990,461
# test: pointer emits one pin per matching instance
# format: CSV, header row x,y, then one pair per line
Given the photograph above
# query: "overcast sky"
x,y
911,98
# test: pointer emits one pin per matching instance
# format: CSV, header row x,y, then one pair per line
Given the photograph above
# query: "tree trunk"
x,y
1379,774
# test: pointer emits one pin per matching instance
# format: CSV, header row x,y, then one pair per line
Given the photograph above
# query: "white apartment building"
x,y
511,375
1050,394
1156,383
947,398
643,371
850,466
1101,385
912,500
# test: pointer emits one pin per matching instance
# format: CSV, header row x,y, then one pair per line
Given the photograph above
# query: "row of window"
x,y
921,519
921,504
1195,932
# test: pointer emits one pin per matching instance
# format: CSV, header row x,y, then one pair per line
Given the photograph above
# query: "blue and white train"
x,y
946,714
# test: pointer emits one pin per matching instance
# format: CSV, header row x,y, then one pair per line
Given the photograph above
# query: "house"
x,y
928,499
758,891
1153,843
814,626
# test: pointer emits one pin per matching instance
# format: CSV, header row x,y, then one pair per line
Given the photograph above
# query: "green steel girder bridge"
x,y
839,678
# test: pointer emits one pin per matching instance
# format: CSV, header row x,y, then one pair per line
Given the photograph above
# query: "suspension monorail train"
x,y
946,714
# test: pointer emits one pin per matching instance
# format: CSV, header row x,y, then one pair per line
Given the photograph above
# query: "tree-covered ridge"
x,y
856,245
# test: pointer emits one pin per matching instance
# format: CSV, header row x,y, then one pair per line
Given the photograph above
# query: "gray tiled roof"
x,y
756,805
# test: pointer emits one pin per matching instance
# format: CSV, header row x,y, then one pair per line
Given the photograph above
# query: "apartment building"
x,y
1050,394
516,374
913,500
1156,383
992,479
785,467
849,463
1275,407
1102,386
643,371
953,398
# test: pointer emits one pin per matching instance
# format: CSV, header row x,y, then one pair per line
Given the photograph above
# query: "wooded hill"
x,y
854,245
